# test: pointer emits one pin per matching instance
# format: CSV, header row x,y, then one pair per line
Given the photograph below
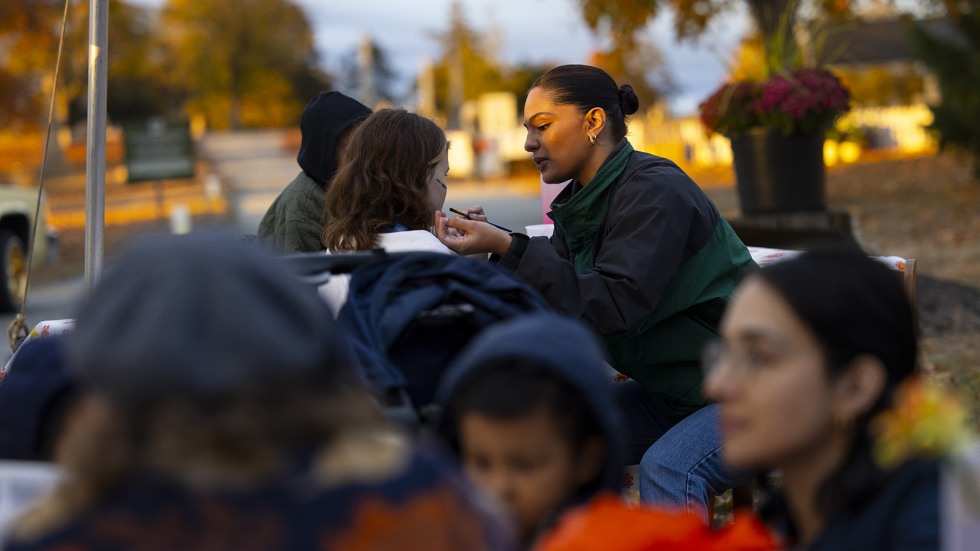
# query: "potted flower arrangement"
x,y
776,127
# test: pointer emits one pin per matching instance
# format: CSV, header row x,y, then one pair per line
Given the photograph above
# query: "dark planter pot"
x,y
777,173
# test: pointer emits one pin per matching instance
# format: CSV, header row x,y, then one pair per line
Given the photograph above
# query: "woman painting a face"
x,y
640,254
812,349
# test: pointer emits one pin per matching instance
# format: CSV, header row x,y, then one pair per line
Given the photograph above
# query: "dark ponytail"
x,y
586,87
628,100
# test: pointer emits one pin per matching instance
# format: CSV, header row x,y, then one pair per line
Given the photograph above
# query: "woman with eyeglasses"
x,y
812,350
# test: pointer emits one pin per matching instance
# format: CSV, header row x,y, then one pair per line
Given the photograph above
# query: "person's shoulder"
x,y
657,179
283,203
143,504
405,486
902,515
301,187
641,160
648,169
412,240
909,499
915,486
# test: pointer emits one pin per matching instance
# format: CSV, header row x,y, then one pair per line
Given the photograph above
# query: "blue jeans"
x,y
680,458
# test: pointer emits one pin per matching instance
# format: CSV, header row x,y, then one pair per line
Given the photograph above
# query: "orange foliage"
x,y
608,522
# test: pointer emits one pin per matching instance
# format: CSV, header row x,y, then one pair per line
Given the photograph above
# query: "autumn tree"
x,y
640,65
243,62
138,83
29,33
877,86
465,68
519,78
469,66
622,20
955,60
773,45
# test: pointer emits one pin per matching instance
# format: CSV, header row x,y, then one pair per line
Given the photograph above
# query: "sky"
x,y
539,31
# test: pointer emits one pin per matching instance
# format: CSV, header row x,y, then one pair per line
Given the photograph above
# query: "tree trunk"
x,y
235,99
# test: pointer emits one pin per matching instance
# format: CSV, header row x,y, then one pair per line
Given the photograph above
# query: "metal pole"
x,y
98,42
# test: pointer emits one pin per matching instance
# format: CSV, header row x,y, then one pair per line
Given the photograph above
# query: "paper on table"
x,y
539,230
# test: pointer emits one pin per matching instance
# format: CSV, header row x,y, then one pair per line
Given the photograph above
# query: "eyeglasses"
x,y
746,359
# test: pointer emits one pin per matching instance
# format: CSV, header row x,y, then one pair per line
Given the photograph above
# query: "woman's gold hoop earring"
x,y
592,139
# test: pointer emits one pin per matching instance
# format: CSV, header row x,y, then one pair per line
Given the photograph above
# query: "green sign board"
x,y
159,150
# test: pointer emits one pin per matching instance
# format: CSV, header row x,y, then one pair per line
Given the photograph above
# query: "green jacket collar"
x,y
584,213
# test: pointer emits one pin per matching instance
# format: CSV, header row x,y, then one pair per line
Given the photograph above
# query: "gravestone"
x,y
159,150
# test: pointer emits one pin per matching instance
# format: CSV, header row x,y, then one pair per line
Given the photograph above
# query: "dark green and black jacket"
x,y
665,264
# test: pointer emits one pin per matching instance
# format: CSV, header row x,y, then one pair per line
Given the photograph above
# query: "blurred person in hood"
x,y
37,395
295,219
222,411
528,407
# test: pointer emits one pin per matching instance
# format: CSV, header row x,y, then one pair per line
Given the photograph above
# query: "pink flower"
x,y
798,101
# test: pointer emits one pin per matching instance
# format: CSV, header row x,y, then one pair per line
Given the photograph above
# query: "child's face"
x,y
436,186
525,462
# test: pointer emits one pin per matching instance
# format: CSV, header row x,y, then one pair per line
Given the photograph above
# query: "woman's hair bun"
x,y
628,100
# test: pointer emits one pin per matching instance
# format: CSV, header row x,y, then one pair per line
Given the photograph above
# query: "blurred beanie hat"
x,y
202,315
34,396
325,119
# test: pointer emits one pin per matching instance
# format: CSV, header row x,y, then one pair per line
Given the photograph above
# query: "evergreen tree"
x,y
955,61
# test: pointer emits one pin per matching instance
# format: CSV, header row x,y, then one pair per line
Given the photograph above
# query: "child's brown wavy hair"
x,y
383,180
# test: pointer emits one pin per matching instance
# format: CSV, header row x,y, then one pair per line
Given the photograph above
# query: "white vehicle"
x,y
17,208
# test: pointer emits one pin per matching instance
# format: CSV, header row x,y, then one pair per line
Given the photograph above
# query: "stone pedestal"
x,y
793,230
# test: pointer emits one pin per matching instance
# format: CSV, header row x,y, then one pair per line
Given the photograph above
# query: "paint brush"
x,y
467,216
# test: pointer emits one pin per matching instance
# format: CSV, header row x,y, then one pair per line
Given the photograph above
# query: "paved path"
x,y
253,168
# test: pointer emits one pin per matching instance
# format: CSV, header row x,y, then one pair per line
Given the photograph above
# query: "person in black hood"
x,y
528,408
222,410
295,219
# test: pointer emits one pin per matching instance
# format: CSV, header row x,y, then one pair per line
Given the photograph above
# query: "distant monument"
x,y
365,71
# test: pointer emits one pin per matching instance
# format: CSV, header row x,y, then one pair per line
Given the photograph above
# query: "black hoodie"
x,y
572,352
324,119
